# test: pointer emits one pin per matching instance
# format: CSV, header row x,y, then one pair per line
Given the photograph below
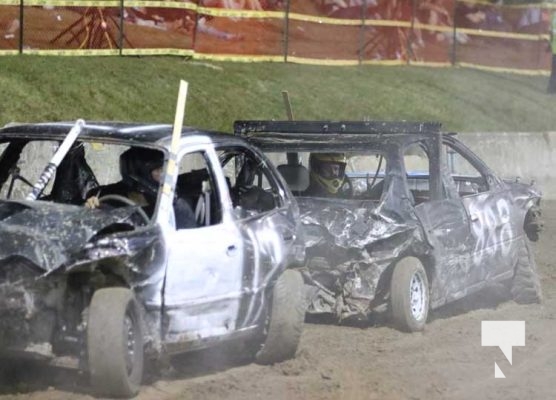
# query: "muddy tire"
x,y
287,316
409,295
526,285
115,343
533,224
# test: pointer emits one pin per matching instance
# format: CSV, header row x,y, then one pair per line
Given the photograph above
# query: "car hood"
x,y
47,234
353,226
349,245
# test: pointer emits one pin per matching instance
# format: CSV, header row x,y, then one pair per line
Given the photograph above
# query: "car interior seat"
x,y
74,178
375,192
195,188
296,176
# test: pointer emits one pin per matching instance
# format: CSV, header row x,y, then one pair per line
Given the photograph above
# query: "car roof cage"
x,y
335,127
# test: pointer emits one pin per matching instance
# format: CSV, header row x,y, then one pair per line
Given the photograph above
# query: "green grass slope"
x,y
144,89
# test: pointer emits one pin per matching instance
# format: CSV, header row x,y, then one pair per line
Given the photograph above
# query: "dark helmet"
x,y
328,170
136,166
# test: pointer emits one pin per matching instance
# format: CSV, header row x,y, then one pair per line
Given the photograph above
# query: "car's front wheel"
x,y
287,316
409,295
115,343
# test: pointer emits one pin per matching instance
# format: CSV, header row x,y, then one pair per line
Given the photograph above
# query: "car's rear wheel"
x,y
409,295
115,343
526,285
533,224
286,319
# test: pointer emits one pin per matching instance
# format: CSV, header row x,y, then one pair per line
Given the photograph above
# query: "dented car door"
x,y
266,225
486,201
446,224
204,275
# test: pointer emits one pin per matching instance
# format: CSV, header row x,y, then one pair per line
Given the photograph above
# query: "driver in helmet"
x,y
327,175
141,171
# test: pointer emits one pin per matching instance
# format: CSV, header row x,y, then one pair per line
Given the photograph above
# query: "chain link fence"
x,y
483,34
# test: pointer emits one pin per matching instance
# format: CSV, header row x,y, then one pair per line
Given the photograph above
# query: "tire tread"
x,y
526,286
286,319
107,367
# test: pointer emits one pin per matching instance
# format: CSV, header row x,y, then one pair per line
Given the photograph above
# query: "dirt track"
x,y
444,362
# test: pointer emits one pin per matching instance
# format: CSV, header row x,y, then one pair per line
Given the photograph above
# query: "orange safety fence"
x,y
480,33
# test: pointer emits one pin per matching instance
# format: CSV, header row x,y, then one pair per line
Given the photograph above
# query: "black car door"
x,y
443,217
489,209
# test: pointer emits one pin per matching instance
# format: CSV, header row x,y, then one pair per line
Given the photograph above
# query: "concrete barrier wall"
x,y
526,155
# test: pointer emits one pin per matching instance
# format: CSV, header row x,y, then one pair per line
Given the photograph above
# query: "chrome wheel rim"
x,y
129,337
417,297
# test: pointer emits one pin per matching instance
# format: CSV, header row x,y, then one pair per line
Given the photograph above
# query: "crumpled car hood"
x,y
350,225
349,244
48,233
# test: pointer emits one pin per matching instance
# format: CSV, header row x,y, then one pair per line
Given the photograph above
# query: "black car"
x,y
400,217
104,287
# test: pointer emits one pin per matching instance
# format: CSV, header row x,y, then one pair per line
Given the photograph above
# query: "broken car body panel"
x,y
210,282
434,200
57,231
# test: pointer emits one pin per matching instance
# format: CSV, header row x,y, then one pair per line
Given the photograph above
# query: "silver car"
x,y
107,288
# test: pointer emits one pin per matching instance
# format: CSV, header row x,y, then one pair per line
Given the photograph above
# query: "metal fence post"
x,y
362,30
411,30
121,36
21,5
541,44
286,31
454,35
194,33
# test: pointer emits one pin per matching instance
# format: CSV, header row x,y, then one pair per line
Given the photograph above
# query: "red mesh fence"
x,y
312,35
236,34
480,33
383,42
9,22
432,38
318,41
502,37
159,27
71,28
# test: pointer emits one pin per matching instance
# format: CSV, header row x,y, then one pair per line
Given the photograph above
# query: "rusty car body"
x,y
103,289
423,221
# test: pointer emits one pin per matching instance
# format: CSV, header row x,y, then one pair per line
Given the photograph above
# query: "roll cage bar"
x,y
247,127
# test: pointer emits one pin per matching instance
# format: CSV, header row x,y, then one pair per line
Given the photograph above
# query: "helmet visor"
x,y
331,170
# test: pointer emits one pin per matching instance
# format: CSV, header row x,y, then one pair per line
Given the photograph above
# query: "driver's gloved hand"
x,y
92,202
